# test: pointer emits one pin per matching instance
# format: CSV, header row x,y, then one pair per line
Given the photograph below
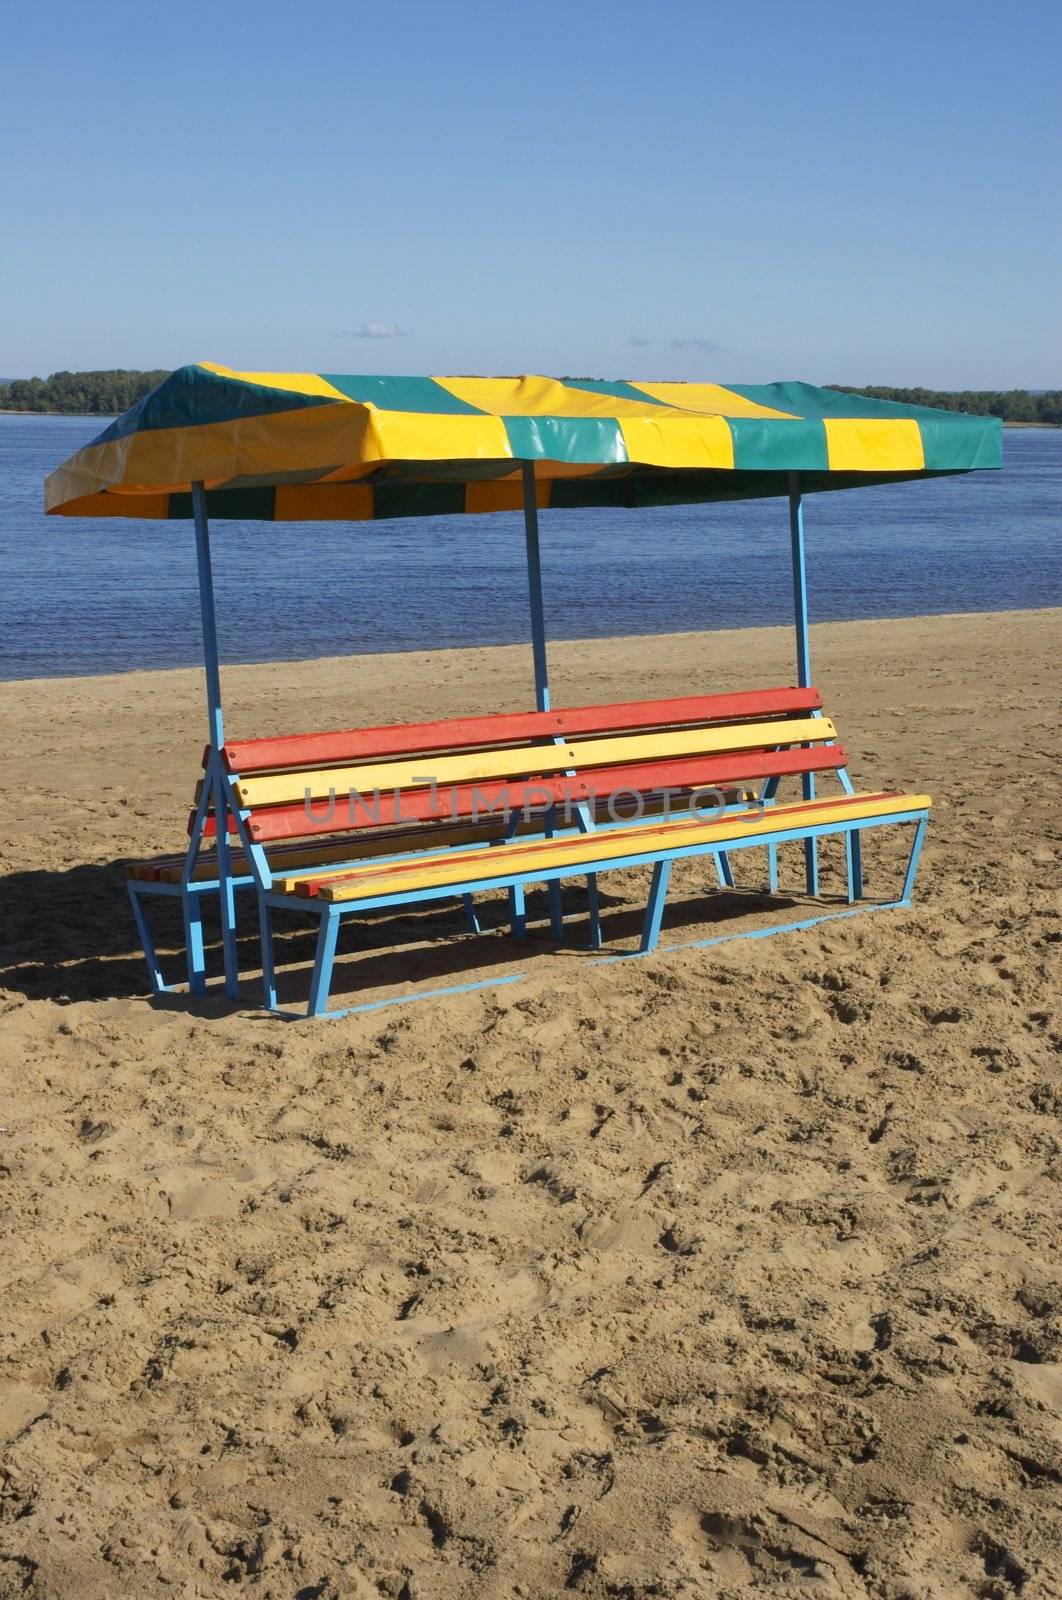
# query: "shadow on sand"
x,y
69,935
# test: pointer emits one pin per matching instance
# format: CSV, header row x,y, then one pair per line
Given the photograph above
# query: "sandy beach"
x,y
731,1270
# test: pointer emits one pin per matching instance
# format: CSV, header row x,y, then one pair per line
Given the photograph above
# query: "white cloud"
x,y
637,341
694,343
373,330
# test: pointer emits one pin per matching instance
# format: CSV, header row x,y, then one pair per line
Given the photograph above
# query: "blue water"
x,y
100,596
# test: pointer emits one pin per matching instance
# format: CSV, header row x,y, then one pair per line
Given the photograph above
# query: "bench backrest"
x,y
309,785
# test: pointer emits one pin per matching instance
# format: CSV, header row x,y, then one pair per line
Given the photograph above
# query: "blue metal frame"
x,y
332,914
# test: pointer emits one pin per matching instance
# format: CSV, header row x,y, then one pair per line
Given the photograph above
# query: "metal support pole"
x,y
217,737
803,650
538,650
534,588
800,582
209,617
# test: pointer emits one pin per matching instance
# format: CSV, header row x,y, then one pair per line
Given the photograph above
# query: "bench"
x,y
298,841
329,825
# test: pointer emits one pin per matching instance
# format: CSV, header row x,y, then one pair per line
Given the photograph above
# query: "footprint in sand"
x,y
204,1192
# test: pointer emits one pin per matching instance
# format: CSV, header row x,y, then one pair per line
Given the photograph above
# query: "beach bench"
x,y
331,825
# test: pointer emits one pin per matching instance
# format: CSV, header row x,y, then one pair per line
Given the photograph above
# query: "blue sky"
x,y
836,192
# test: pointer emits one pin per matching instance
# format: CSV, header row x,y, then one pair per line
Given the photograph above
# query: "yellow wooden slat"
x,y
278,788
478,766
584,849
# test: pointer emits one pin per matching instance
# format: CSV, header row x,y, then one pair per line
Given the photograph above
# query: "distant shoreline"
x,y
108,416
100,416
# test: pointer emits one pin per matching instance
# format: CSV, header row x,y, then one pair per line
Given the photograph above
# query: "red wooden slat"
x,y
462,733
291,821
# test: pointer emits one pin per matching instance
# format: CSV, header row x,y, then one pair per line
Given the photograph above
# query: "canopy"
x,y
299,446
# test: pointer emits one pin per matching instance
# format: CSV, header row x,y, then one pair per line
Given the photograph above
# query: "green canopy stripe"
x,y
402,394
764,443
569,439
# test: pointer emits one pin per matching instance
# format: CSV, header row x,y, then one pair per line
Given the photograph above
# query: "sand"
x,y
730,1271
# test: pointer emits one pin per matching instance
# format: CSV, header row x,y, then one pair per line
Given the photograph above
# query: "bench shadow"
x,y
69,935
371,954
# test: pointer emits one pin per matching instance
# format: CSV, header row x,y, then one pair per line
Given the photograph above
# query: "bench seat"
x,y
575,853
515,864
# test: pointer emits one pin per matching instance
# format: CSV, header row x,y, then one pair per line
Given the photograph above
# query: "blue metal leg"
x,y
193,942
772,869
654,911
269,981
470,913
150,956
811,865
594,908
724,870
228,899
853,845
517,911
556,913
321,982
912,865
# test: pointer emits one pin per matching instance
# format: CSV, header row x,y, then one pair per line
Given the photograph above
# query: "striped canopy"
x,y
298,446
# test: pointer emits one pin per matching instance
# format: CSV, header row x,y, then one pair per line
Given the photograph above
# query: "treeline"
x,y
1013,405
108,393
102,394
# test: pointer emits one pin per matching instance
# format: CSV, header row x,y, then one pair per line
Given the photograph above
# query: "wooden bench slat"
x,y
350,745
306,853
480,765
419,805
581,850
